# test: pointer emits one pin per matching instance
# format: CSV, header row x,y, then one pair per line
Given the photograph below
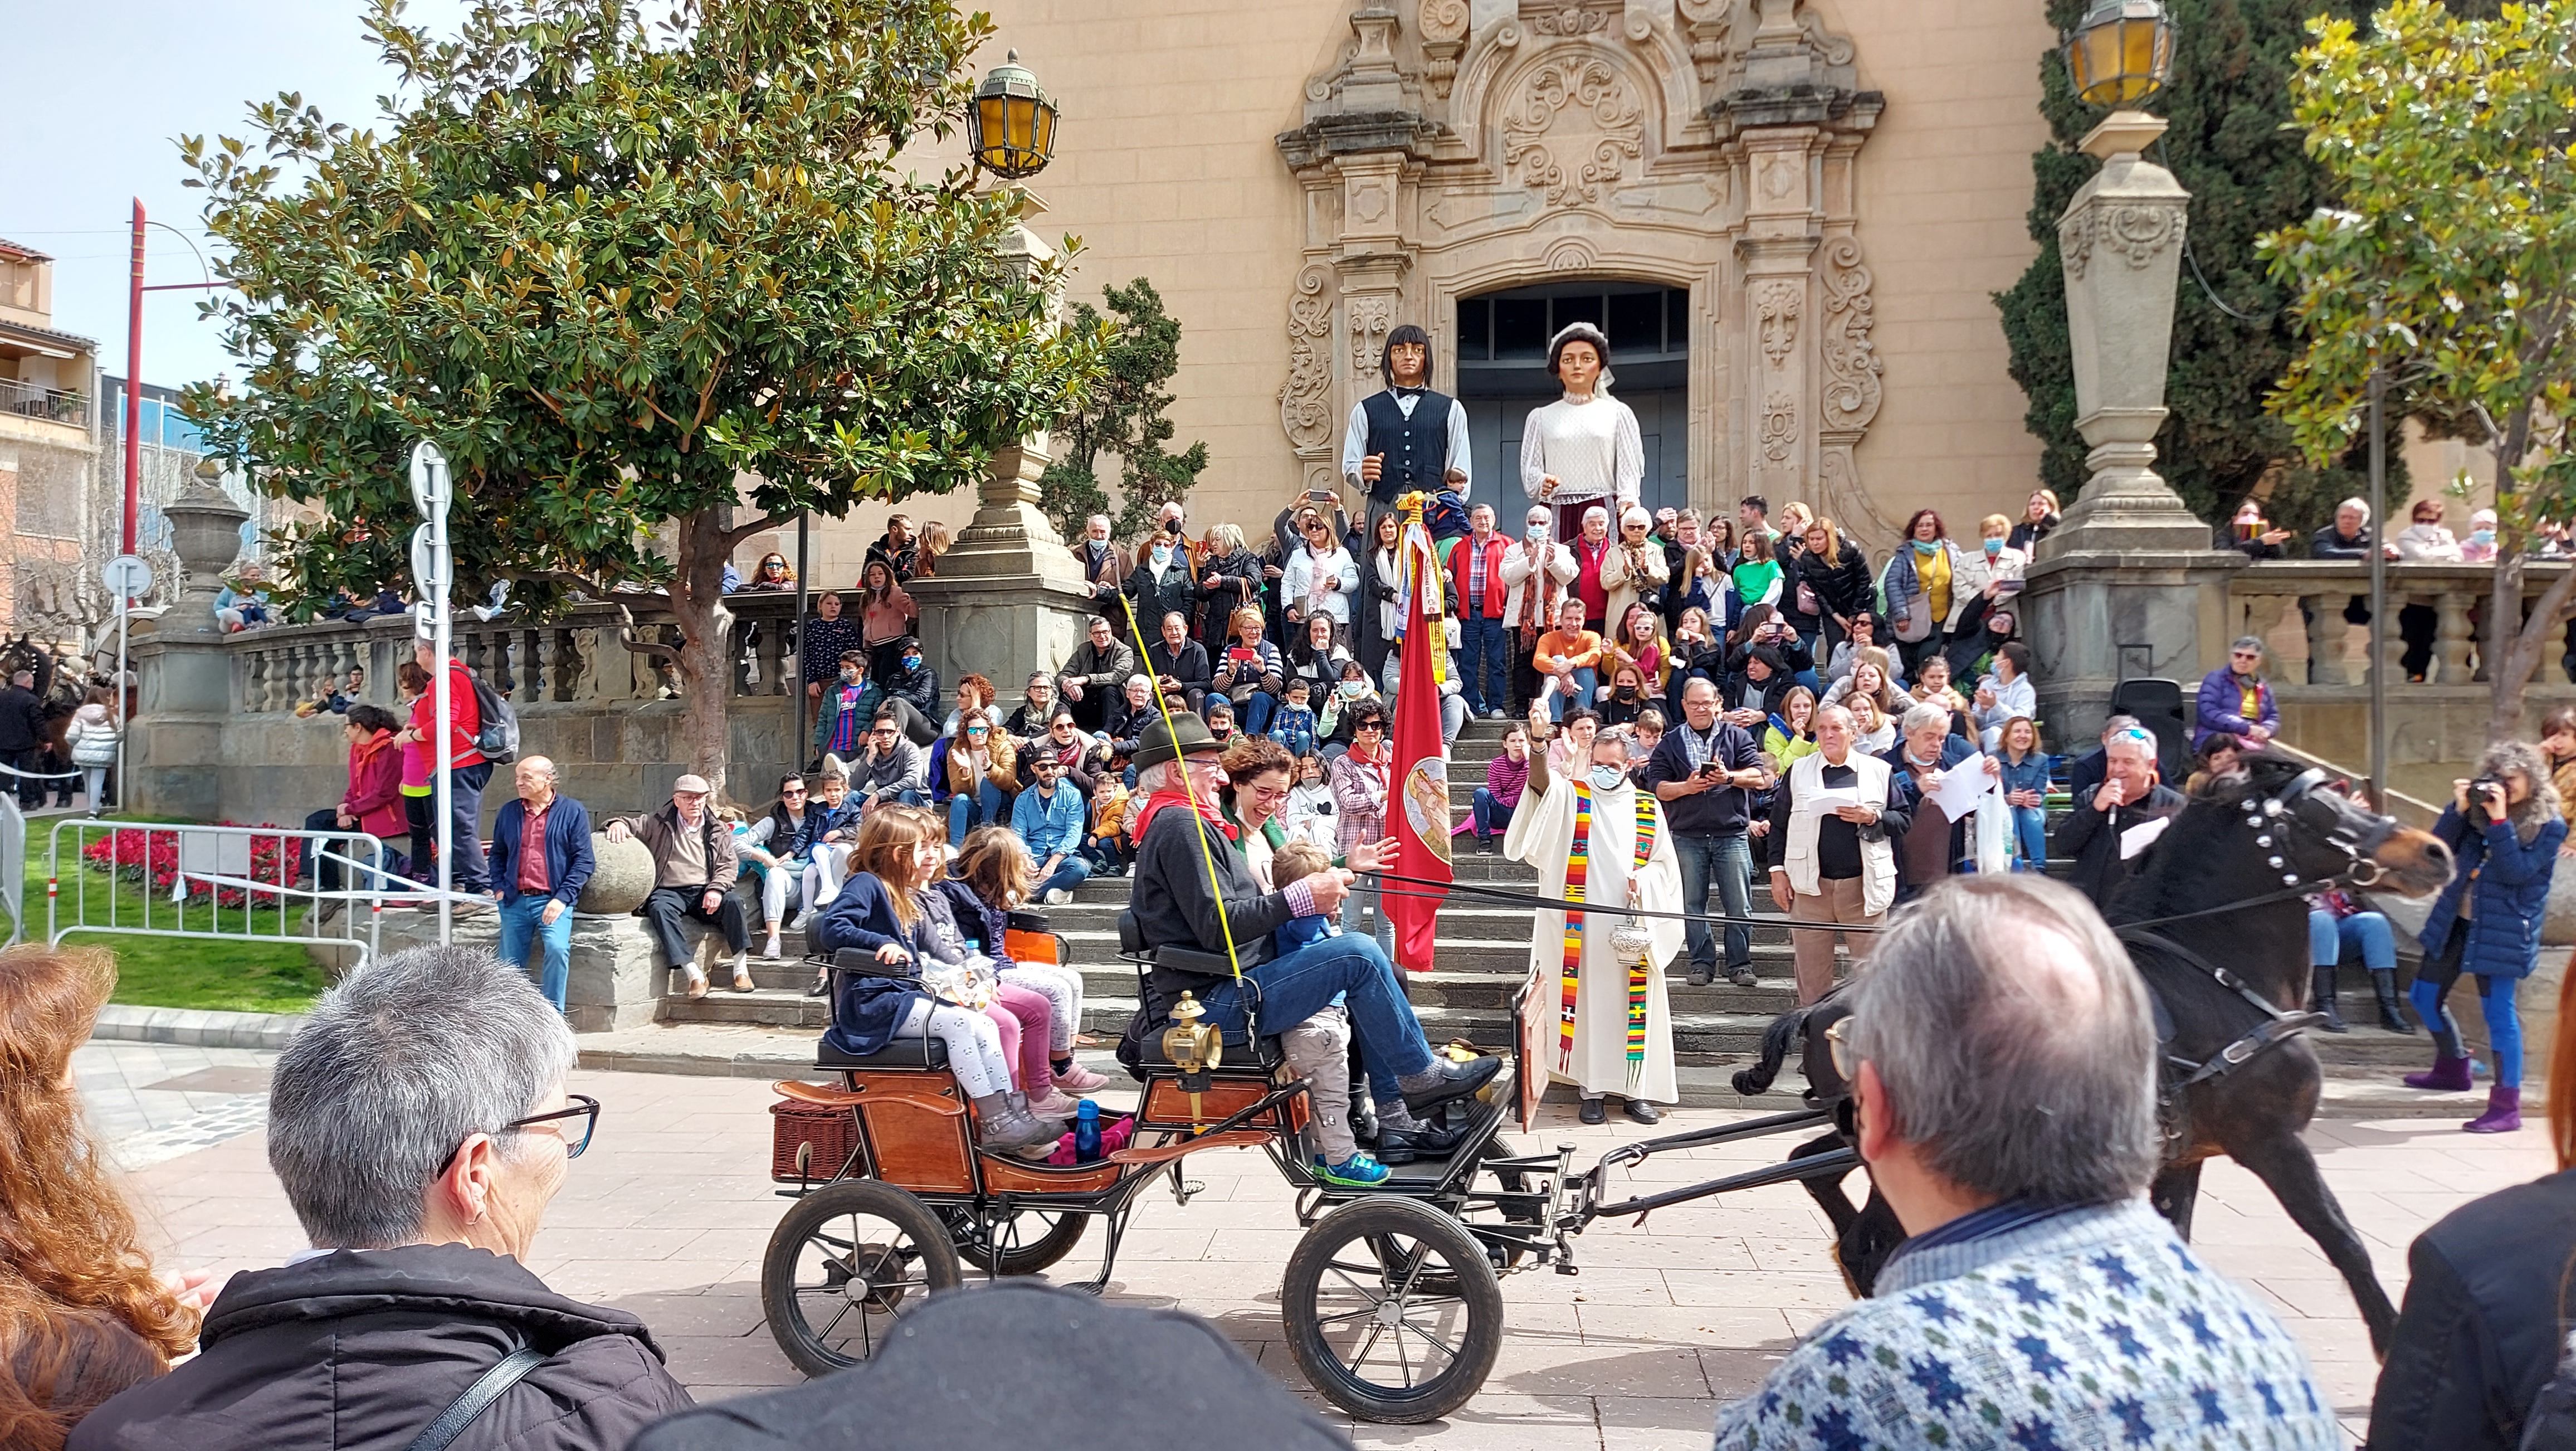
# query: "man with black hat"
x,y
1195,895
1406,437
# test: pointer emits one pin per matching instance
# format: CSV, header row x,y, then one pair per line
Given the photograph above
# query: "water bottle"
x,y
1086,1133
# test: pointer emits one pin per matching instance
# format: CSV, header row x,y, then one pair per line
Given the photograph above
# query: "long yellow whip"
x,y
1207,857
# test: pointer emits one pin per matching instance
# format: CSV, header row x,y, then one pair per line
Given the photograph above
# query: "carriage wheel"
x,y
1036,1239
1392,1311
844,1262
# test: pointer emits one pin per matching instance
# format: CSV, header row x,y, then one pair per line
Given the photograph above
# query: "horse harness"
x,y
2268,818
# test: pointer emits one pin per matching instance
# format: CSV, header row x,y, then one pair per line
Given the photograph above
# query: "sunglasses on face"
x,y
793,791
974,730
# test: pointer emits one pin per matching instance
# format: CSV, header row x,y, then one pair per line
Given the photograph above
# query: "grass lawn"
x,y
174,972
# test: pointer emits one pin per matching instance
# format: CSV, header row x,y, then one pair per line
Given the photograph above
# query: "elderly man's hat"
x,y
1171,739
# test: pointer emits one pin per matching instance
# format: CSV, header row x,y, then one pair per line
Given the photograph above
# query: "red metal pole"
x,y
134,386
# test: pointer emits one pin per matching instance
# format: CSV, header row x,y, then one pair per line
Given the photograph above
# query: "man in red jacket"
x,y
467,773
1476,572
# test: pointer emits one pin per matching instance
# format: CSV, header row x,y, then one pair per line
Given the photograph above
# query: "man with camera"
x,y
1701,771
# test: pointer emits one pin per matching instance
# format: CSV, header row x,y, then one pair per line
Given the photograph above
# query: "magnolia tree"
x,y
624,275
2450,265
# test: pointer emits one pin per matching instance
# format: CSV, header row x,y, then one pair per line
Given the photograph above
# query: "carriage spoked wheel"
x,y
1023,1244
1393,1311
845,1261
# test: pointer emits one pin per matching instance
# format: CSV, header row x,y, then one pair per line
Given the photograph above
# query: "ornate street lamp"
x,y
2121,53
1012,123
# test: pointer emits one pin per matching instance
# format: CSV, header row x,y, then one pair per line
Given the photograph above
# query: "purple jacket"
x,y
2221,700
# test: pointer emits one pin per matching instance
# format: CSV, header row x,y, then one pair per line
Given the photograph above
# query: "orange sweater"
x,y
1582,650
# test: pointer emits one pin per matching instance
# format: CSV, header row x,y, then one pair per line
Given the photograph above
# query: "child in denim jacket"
x,y
1294,725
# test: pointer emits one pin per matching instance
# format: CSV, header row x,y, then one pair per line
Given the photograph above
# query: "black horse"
x,y
2216,920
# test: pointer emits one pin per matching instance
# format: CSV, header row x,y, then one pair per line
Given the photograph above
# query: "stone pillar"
x,y
185,670
1010,597
2129,585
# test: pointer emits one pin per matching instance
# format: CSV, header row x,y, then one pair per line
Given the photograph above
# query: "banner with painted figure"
x,y
1421,767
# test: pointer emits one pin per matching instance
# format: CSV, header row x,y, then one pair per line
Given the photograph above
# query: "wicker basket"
x,y
830,1131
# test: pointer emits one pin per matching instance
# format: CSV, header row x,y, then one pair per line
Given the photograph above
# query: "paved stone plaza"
x,y
668,1212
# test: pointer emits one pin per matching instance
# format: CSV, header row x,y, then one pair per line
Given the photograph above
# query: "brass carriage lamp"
x,y
1194,1046
1011,125
2121,53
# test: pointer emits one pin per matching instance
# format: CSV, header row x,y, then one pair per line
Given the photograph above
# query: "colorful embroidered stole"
x,y
1578,864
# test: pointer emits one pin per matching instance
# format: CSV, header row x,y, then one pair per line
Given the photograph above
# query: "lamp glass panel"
x,y
1045,144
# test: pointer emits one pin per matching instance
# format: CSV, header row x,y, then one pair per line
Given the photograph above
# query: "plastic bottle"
x,y
1086,1133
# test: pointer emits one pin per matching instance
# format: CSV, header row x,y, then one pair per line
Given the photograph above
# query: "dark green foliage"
x,y
1124,416
2228,103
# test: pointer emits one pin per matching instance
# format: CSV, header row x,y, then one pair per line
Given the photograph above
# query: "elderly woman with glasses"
x,y
2235,699
421,1119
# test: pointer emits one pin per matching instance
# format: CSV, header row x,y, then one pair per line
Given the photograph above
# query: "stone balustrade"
x,y
2329,650
571,659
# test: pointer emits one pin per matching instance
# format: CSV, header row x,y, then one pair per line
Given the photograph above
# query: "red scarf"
x,y
1207,812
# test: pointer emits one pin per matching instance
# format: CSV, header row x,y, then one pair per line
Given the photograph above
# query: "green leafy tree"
x,y
2450,265
2228,104
624,277
1124,415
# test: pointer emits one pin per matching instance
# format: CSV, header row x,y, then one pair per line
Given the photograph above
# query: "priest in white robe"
x,y
1584,448
1604,813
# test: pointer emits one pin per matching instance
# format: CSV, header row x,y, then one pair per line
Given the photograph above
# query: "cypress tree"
x,y
2231,146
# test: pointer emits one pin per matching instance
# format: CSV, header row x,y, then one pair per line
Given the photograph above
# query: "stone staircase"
x,y
1481,960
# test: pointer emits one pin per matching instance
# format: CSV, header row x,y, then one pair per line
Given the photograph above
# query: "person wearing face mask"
x,y
1582,451
1536,572
1104,567
911,693
1163,583
2480,546
1633,570
1598,836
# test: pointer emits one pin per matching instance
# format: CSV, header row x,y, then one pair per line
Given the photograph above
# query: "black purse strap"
x,y
477,1398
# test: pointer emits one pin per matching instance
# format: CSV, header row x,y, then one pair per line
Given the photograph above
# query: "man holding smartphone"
x,y
1701,771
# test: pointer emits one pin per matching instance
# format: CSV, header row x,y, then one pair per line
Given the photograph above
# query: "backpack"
x,y
497,741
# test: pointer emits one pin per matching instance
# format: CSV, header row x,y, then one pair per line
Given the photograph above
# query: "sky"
x,y
100,94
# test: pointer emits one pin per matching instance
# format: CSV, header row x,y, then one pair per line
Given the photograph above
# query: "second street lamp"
x,y
1011,125
2121,53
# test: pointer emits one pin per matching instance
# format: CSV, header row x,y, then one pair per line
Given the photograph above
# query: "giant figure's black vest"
x,y
1416,449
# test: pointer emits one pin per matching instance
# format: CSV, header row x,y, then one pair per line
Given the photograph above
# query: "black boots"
x,y
2383,983
2321,998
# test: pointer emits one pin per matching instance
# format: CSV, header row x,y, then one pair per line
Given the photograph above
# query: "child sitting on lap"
x,y
1318,1049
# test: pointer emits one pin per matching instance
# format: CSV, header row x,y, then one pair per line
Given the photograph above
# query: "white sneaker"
x,y
1058,896
795,922
769,949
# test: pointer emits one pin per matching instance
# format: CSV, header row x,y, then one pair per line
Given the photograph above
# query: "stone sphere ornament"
x,y
623,879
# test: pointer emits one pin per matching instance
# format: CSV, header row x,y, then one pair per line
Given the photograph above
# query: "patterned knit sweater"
x,y
2088,1328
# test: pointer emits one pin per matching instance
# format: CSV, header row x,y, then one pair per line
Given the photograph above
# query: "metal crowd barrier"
x,y
221,860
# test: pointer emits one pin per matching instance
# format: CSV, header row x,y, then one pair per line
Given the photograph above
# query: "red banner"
x,y
1418,812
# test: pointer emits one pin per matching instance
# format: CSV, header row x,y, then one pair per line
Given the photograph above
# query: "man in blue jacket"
x,y
1048,816
2235,699
541,859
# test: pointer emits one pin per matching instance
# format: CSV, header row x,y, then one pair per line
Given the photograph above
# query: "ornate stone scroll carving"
x,y
1370,319
1852,365
1584,83
1779,426
1305,408
2137,234
1571,19
1776,321
1443,25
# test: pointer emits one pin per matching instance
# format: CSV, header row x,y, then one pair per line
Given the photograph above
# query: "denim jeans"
x,y
2363,932
1257,709
1491,815
1070,873
1587,684
1480,643
2030,837
1303,983
1725,858
523,921
987,806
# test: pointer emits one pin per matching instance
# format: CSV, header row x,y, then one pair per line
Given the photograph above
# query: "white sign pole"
x,y
430,491
129,578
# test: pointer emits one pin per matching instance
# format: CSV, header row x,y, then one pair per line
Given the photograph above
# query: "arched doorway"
x,y
1502,375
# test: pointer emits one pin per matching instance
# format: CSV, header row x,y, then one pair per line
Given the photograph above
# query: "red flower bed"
x,y
150,860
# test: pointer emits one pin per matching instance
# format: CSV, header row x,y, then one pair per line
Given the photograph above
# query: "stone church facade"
x,y
1790,214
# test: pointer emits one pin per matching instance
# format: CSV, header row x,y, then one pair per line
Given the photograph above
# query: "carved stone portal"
x,y
1463,146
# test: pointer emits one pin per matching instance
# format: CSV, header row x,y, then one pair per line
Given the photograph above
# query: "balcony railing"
x,y
2323,648
34,400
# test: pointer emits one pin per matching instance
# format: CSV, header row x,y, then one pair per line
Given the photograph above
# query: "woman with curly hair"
x,y
82,1315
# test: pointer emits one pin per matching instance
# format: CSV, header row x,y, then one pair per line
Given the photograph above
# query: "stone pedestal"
x,y
186,673
2129,585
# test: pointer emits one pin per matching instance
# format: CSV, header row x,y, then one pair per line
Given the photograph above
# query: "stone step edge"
x,y
194,1027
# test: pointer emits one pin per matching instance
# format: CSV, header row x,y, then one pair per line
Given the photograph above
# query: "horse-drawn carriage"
x,y
1391,1299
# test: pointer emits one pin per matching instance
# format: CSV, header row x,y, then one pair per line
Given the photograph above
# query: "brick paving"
x,y
668,1213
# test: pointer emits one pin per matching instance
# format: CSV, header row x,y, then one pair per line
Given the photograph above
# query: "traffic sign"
x,y
128,576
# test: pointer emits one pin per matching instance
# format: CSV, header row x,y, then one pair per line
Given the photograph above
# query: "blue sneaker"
x,y
1359,1171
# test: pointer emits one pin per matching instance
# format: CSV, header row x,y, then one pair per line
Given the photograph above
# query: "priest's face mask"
x,y
1609,763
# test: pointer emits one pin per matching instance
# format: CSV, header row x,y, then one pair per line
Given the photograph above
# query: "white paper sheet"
x,y
1963,787
1832,796
2137,838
